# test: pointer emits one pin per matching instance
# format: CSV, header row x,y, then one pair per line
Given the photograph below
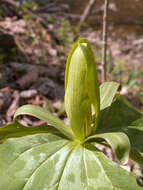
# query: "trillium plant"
x,y
55,156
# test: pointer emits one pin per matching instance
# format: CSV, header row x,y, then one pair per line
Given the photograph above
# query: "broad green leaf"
x,y
81,88
135,134
119,115
119,143
49,162
122,116
15,129
107,93
44,115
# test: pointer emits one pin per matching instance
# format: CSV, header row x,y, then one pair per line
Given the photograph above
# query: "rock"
x,y
5,98
28,93
49,88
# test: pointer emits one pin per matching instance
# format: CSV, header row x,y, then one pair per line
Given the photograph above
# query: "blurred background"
x,y
36,37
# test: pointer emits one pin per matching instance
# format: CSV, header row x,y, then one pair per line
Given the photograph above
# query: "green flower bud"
x,y
81,88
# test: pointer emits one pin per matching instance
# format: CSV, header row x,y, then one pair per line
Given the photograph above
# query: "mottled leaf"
x,y
49,162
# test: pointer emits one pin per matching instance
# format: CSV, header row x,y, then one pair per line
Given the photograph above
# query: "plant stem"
x,y
104,40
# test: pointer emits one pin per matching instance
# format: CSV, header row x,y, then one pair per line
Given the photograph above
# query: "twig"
x,y
104,50
11,2
87,11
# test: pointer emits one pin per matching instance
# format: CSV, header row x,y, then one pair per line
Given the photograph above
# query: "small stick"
x,y
104,40
87,11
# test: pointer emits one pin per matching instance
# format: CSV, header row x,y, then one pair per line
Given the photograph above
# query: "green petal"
x,y
81,88
92,80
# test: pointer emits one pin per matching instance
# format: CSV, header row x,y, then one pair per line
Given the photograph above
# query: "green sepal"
x,y
16,129
118,142
44,115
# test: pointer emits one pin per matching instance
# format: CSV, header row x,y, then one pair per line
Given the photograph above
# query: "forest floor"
x,y
33,70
